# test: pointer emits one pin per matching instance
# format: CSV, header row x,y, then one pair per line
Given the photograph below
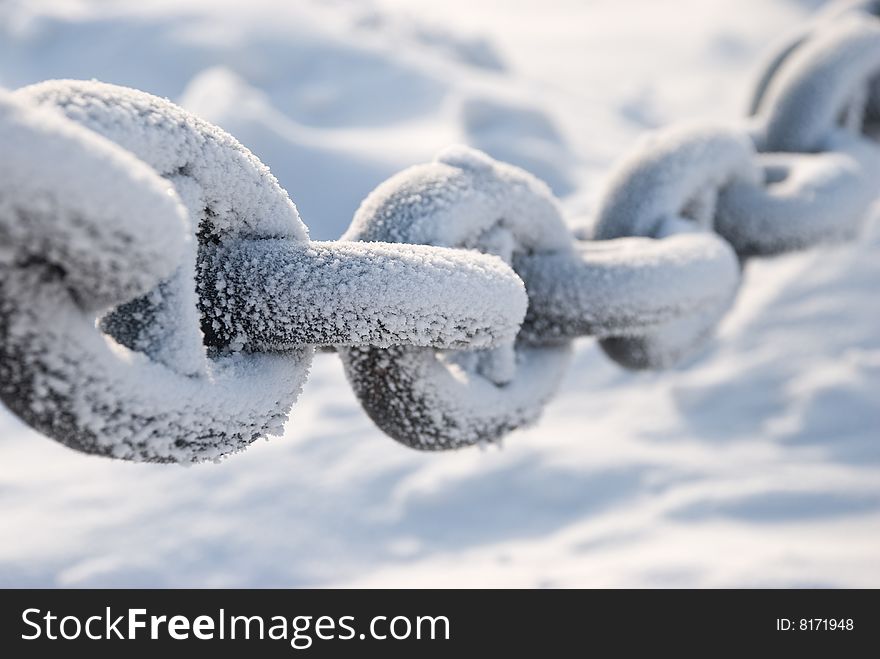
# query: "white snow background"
x,y
755,464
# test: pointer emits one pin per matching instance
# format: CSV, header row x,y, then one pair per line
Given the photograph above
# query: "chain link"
x,y
465,200
160,299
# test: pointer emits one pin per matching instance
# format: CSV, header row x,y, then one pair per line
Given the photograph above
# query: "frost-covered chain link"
x,y
160,299
439,400
114,199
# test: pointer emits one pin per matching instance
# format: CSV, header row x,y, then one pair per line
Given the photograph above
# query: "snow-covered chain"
x,y
114,199
160,299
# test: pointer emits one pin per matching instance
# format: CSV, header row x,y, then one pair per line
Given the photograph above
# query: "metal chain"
x,y
160,299
93,225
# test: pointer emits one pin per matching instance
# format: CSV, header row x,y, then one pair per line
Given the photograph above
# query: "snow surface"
x,y
756,463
